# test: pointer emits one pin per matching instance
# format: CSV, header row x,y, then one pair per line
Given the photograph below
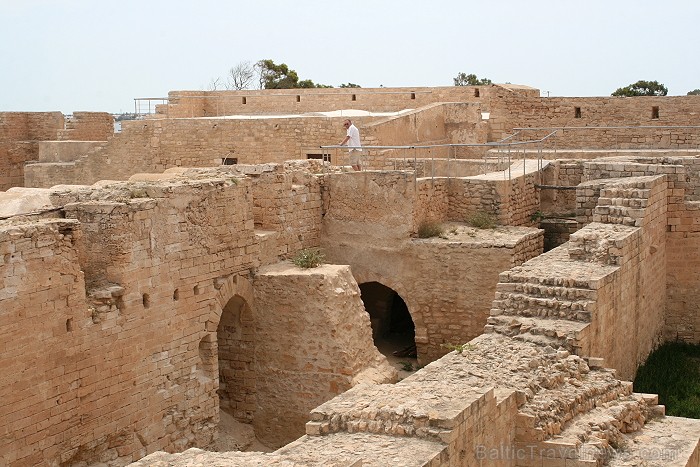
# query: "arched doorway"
x,y
235,357
393,330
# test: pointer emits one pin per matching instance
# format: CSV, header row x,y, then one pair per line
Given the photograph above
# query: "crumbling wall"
x,y
151,255
19,134
314,341
87,126
359,230
511,201
43,398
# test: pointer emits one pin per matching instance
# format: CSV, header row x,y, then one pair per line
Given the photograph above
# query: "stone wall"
x,y
141,273
331,349
87,126
510,201
189,104
140,283
22,135
19,133
153,146
517,111
377,243
41,399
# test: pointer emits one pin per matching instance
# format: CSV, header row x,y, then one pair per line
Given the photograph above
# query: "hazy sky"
x,y
99,55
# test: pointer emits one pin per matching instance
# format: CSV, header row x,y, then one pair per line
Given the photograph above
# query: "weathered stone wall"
x,y
66,151
189,104
87,126
153,146
559,175
41,292
19,133
633,300
518,111
376,242
510,201
313,342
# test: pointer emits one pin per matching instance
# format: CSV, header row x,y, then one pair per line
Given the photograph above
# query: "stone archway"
x,y
228,352
393,330
236,347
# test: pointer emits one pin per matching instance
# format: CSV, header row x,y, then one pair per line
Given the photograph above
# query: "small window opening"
x,y
146,300
69,324
176,294
354,97
243,100
229,161
577,112
324,157
298,98
196,290
655,112
476,92
413,95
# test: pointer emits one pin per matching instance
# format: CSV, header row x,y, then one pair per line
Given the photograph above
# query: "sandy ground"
x,y
236,436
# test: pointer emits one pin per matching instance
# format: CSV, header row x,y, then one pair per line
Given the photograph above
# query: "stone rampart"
x,y
517,111
191,104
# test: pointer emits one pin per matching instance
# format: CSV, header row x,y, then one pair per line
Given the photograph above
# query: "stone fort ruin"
x,y
146,282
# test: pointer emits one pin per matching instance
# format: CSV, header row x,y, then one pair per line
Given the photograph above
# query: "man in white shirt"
x,y
352,139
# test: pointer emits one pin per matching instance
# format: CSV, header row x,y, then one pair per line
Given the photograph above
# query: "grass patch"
x,y
309,258
430,229
482,220
673,372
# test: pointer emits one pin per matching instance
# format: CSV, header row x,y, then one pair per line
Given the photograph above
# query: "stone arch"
x,y
421,333
231,326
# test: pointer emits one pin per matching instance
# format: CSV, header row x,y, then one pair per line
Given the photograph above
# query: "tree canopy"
x,y
694,92
274,76
464,79
642,88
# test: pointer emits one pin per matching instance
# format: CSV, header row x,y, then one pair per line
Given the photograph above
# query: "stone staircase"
x,y
547,301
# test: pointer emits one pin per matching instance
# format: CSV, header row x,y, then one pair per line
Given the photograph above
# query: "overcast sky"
x,y
99,55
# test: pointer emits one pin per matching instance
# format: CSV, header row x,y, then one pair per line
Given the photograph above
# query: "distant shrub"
x,y
430,229
309,258
482,220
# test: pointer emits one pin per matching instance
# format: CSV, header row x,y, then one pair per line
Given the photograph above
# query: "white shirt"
x,y
354,135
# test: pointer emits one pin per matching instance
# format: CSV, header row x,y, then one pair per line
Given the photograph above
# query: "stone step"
x,y
571,335
663,442
605,407
542,307
540,290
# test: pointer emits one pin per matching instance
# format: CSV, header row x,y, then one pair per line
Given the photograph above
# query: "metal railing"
x,y
436,160
147,105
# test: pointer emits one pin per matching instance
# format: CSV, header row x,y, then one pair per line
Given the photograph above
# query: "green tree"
x,y
350,85
694,92
642,88
463,79
274,76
